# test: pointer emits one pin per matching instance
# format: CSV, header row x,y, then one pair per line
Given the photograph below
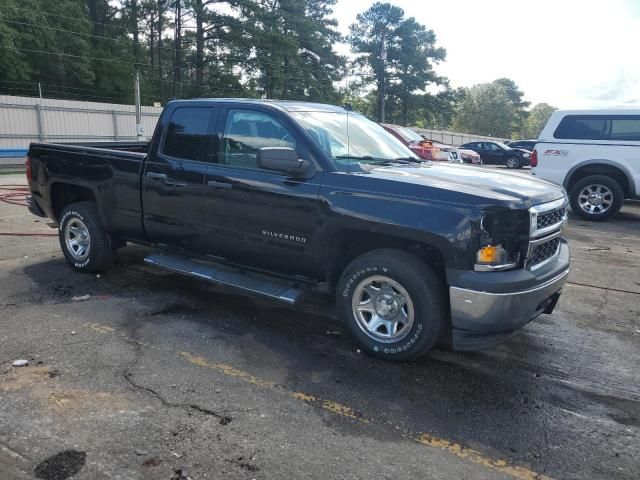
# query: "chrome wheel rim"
x,y
512,162
595,199
383,309
77,239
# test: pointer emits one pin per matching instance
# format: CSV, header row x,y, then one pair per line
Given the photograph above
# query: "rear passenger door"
x,y
174,176
256,217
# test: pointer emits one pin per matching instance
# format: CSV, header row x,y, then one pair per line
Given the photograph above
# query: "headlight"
x,y
491,258
526,155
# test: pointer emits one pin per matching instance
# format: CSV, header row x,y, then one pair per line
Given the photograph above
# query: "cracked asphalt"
x,y
158,376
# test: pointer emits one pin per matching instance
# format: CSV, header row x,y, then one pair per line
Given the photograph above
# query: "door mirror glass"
x,y
282,159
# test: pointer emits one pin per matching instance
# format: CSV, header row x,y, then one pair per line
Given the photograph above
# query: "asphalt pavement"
x,y
156,376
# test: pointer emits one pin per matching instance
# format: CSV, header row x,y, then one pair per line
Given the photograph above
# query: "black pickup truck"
x,y
286,199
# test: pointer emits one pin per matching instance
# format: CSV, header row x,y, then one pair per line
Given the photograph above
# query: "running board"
x,y
274,288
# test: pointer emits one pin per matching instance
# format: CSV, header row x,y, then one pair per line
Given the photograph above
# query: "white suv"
x,y
595,155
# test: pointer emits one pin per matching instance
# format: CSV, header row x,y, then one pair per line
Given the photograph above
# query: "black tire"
x,y
614,187
515,162
100,251
424,288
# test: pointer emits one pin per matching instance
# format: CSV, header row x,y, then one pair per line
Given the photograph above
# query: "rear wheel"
x,y
596,197
513,162
393,304
85,244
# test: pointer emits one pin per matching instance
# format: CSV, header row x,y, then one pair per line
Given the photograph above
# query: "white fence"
x,y
24,120
453,138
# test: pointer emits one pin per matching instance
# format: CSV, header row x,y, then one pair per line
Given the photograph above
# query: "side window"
x,y
581,127
625,128
188,133
492,146
246,132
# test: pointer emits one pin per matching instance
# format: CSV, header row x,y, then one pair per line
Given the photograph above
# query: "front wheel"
x,y
596,197
513,162
393,304
85,244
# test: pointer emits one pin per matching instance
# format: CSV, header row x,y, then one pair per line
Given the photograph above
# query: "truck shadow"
x,y
495,401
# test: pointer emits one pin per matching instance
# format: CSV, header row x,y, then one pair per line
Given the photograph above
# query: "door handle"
x,y
216,184
157,176
163,176
171,183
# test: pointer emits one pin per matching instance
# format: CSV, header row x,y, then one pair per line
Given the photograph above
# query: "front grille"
x,y
543,252
550,218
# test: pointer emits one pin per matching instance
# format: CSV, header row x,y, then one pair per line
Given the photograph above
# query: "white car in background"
x,y
595,155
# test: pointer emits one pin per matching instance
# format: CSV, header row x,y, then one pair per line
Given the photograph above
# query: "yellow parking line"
x,y
460,451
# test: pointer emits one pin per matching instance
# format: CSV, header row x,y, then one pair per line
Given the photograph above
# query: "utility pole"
x,y
382,86
41,112
139,127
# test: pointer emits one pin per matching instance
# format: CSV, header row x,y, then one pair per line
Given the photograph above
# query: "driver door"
x,y
256,217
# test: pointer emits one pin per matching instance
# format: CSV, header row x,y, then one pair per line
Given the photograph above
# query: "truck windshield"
x,y
409,135
351,139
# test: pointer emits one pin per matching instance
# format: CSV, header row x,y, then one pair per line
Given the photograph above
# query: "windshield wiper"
x,y
407,159
354,157
402,160
378,161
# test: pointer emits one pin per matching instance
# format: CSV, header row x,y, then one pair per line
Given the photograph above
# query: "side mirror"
x,y
285,160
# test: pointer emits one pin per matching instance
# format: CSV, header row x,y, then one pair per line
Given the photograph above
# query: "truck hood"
x,y
481,182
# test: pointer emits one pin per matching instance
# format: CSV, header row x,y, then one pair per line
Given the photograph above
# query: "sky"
x,y
568,53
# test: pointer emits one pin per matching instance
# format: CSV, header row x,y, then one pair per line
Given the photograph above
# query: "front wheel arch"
x,y
426,292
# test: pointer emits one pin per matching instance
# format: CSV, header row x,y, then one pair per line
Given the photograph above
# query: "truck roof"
x,y
288,105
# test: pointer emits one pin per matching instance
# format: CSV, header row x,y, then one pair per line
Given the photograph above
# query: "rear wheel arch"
x,y
596,197
600,167
86,245
63,194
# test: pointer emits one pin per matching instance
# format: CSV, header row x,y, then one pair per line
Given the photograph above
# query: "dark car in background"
x,y
525,144
497,153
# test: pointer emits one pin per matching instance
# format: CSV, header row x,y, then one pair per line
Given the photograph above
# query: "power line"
x,y
86,89
75,19
131,42
44,52
88,35
172,49
60,54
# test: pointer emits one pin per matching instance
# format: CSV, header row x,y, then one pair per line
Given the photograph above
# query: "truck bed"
x,y
134,147
107,173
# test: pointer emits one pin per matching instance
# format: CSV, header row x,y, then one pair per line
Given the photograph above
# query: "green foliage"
x,y
486,109
26,29
496,109
288,48
536,120
397,53
516,97
90,50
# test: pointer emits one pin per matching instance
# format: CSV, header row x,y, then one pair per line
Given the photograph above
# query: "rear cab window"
x,y
187,136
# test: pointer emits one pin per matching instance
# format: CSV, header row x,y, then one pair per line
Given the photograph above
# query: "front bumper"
x,y
481,319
